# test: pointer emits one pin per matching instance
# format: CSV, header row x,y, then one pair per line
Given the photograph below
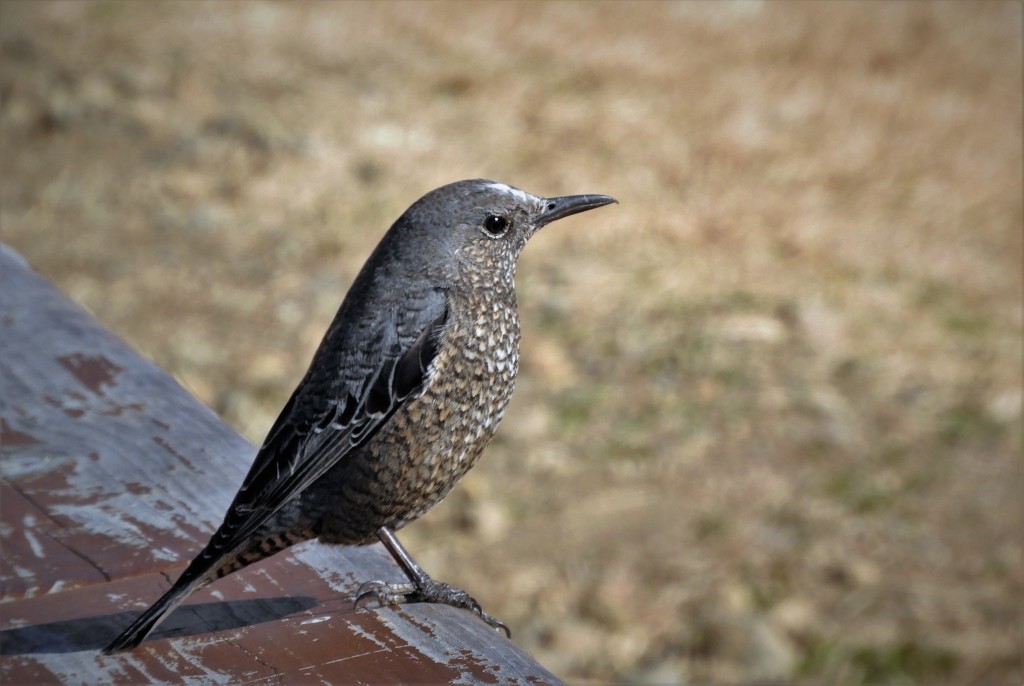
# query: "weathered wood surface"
x,y
113,476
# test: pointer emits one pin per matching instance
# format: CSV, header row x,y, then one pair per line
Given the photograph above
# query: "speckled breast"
x,y
433,440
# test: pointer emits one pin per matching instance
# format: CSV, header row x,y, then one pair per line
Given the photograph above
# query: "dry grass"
x,y
769,424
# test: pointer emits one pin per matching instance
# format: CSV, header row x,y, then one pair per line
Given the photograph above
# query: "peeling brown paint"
x,y
138,489
116,410
12,437
481,671
166,445
73,412
92,371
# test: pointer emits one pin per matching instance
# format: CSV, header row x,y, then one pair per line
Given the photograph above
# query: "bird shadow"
x,y
94,633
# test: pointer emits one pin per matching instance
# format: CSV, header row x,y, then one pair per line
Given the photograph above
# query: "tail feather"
x,y
208,566
147,621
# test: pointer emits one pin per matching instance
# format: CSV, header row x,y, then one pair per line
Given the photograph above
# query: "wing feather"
x,y
319,427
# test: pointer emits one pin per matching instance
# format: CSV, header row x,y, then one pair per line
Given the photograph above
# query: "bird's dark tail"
x,y
147,621
208,566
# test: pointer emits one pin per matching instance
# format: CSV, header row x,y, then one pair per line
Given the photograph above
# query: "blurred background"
x,y
768,425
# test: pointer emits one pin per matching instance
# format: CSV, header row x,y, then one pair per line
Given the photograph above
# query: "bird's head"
x,y
476,229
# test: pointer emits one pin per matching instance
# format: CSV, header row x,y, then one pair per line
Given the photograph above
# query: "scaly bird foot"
x,y
426,590
421,588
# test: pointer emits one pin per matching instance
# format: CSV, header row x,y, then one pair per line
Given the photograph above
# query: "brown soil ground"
x,y
769,420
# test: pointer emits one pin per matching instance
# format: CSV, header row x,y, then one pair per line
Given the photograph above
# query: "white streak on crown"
x,y
515,192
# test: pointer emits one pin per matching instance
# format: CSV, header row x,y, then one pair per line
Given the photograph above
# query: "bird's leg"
x,y
421,588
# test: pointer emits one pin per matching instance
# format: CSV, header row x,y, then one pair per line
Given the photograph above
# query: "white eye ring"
x,y
495,225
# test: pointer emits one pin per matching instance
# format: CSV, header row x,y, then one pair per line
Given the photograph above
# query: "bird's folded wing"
x,y
323,422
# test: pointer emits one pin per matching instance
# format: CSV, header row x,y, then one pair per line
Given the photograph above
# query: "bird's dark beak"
x,y
559,208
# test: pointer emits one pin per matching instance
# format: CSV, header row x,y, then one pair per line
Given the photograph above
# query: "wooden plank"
x,y
113,476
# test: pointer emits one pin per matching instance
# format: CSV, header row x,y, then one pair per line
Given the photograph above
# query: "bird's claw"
x,y
385,593
427,591
495,623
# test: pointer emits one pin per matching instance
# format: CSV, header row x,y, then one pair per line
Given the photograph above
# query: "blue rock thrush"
x,y
405,390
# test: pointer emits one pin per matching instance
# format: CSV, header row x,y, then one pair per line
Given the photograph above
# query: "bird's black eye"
x,y
495,224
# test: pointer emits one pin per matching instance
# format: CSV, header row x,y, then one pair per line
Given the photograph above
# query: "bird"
x,y
403,393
